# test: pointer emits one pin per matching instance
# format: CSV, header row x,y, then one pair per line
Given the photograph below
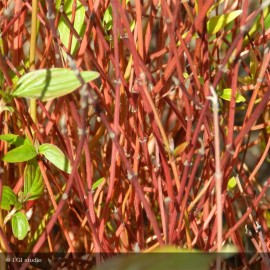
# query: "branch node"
x,y
64,196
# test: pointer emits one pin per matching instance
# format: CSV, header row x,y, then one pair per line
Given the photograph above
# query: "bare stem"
x,y
218,174
33,44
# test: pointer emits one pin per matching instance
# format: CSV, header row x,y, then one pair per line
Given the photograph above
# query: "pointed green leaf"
x,y
33,182
8,198
216,23
78,24
132,25
21,153
12,139
180,149
46,84
227,95
55,156
257,25
267,22
108,19
97,183
20,225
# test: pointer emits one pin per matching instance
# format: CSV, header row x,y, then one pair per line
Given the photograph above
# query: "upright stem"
x,y
218,174
33,43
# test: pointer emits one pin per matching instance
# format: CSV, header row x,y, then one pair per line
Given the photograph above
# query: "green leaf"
x,y
201,80
180,149
216,23
214,6
97,183
132,25
47,84
20,225
232,183
3,106
107,19
33,182
8,198
257,25
78,24
21,153
162,259
247,80
21,69
227,95
12,139
185,75
267,22
55,156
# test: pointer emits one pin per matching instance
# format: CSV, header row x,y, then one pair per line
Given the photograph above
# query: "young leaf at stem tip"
x,y
33,182
12,139
8,198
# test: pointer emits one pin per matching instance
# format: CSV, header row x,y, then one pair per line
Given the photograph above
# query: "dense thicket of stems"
x,y
165,158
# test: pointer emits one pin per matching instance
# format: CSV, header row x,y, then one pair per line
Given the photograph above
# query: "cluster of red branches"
x,y
147,129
